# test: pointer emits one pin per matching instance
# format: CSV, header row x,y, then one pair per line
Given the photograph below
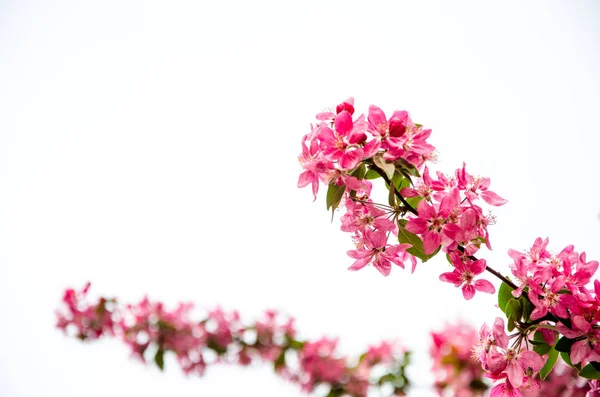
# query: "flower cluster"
x,y
423,214
151,331
553,310
551,304
458,372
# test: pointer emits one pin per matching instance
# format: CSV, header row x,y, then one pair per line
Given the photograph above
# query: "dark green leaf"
x,y
404,236
159,359
504,295
334,195
406,167
527,307
360,171
565,357
589,372
552,357
514,310
539,344
564,344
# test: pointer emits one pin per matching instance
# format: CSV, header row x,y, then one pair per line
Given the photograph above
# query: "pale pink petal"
x,y
579,351
492,198
532,360
515,374
582,324
484,286
359,264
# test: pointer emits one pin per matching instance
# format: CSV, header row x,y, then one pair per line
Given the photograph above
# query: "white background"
x,y
151,147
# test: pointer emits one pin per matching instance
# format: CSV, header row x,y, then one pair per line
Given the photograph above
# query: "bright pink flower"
x,y
583,348
360,216
430,222
343,143
551,300
505,390
384,129
376,250
464,273
475,187
315,166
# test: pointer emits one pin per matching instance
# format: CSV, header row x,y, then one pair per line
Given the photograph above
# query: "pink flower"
x,y
581,349
315,166
475,187
430,222
384,129
343,143
377,251
463,274
505,390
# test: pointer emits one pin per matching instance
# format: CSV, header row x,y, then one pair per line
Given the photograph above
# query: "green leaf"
x,y
504,295
159,359
565,357
514,310
527,307
406,167
372,174
404,236
539,344
589,372
547,368
564,344
414,201
388,168
334,195
360,171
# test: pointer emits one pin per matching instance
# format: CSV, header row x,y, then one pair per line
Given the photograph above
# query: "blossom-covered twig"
x,y
151,331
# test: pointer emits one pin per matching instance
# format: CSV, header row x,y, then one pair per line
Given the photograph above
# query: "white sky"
x,y
151,147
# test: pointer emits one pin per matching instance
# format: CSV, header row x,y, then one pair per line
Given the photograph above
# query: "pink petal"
x,y
377,118
468,291
359,264
383,266
417,226
451,277
579,351
478,266
515,374
484,286
582,324
532,360
343,122
492,198
431,241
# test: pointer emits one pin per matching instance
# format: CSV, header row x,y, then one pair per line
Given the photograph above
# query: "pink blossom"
x,y
377,251
464,273
475,187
